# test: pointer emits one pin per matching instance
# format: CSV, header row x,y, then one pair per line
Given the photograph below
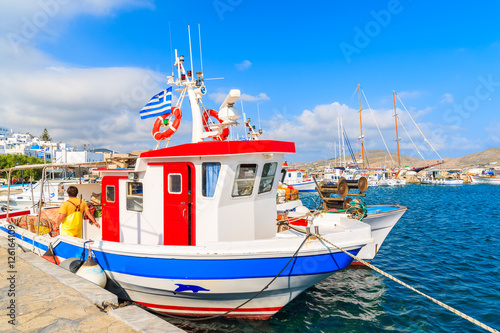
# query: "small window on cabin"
x,y
244,180
210,176
110,193
174,183
134,196
267,177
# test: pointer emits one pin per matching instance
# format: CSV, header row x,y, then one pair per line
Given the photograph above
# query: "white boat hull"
x,y
213,279
380,218
442,181
307,186
495,180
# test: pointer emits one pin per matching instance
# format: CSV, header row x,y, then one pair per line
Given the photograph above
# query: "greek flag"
x,y
161,103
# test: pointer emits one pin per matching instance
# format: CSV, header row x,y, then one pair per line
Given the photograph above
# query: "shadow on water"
x,y
446,245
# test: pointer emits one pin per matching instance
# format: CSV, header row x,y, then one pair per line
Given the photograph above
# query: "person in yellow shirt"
x,y
70,219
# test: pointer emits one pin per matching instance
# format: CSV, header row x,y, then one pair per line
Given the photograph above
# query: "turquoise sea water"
x,y
447,245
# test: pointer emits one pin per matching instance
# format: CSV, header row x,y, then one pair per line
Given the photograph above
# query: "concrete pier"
x,y
38,296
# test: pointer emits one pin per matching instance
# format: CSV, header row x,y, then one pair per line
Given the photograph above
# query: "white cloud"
x,y
219,96
315,131
97,106
250,98
243,65
409,94
447,99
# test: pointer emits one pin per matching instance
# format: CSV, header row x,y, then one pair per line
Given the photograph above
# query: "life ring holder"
x,y
212,113
171,128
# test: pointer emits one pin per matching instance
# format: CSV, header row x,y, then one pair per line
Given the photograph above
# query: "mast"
x,y
361,128
396,119
344,163
340,145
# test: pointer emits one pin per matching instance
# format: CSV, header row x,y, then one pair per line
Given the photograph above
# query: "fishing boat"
x,y
486,177
295,178
436,177
389,178
373,179
191,230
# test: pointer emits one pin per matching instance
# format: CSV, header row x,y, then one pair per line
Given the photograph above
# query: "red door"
x,y
179,221
110,209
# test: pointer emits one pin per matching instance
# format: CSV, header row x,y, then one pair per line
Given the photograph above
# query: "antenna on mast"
x,y
171,55
201,56
190,53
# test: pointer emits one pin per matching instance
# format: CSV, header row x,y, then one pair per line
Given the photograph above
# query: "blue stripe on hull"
x,y
209,269
206,269
27,240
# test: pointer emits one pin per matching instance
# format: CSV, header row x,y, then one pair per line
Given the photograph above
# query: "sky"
x,y
84,69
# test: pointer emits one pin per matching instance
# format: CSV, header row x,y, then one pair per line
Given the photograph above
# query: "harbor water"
x,y
447,245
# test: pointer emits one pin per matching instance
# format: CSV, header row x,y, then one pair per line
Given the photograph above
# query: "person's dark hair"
x,y
72,191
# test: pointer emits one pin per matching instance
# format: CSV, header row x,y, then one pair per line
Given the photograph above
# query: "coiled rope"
x,y
389,276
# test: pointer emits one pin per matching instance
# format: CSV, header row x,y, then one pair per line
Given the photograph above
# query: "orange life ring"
x,y
212,113
157,135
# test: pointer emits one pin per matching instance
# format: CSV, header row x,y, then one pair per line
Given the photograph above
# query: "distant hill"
x,y
377,158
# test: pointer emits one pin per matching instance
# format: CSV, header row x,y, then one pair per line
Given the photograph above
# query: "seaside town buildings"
x,y
53,152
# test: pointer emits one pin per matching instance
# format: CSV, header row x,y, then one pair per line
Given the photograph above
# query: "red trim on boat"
x,y
14,214
357,263
299,222
211,148
187,308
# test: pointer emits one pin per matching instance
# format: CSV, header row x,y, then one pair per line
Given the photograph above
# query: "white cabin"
x,y
190,194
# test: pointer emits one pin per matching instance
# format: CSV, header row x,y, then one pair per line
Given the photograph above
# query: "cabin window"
x,y
210,176
245,179
134,196
175,183
267,177
110,193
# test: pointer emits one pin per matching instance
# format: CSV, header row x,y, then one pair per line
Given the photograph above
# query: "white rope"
x,y
409,137
371,111
425,139
447,307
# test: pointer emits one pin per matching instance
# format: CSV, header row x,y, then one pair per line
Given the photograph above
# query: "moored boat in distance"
x,y
436,177
295,178
191,230
487,177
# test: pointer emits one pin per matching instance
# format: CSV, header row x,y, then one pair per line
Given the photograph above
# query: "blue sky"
x,y
84,69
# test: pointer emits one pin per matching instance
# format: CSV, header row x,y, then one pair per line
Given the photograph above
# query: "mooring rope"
x,y
389,276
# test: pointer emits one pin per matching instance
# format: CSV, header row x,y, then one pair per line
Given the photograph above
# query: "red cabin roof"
x,y
211,148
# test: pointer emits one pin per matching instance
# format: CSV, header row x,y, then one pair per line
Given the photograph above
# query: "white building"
x,y
66,156
55,152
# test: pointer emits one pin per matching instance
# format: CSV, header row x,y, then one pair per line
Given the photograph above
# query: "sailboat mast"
x,y
396,119
361,128
344,163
